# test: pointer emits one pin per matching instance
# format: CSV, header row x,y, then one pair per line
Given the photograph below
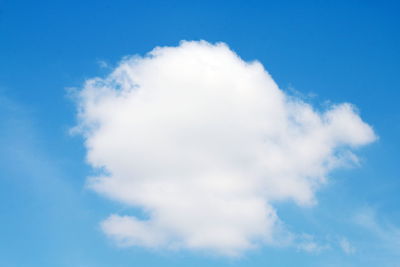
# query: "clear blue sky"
x,y
338,51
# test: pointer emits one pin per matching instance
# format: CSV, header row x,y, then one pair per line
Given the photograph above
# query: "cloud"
x,y
308,243
103,64
346,246
205,143
386,234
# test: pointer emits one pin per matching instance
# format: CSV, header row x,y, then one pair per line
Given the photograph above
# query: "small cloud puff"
x,y
346,246
205,143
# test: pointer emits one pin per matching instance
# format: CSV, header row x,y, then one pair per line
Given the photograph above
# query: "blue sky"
x,y
325,51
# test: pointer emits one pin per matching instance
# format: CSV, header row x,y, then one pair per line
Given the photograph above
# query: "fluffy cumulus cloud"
x,y
204,144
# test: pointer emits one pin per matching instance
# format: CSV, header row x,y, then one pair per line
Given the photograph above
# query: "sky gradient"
x,y
324,52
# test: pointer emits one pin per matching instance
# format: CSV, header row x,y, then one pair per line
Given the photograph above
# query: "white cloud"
x,y
205,143
103,64
387,235
346,246
308,243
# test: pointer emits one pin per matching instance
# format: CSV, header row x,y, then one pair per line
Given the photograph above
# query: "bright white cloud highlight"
x,y
204,143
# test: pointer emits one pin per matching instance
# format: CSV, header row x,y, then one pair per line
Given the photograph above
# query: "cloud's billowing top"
x,y
205,143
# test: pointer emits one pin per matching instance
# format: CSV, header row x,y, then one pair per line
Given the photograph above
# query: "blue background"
x,y
338,51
